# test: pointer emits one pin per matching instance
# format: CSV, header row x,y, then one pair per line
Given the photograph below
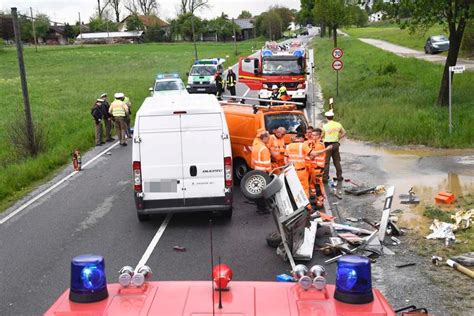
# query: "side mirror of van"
x,y
150,89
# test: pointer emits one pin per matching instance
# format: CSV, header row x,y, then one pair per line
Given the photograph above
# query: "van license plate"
x,y
162,186
201,89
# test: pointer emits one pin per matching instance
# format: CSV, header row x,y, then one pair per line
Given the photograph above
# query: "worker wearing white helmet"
x,y
231,81
119,111
333,133
275,93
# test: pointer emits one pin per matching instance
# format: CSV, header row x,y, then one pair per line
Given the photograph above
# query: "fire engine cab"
x,y
277,64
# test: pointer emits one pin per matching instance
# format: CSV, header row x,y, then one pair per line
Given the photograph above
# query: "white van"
x,y
182,158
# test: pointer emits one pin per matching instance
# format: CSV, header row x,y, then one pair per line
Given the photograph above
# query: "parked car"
x,y
168,84
436,44
304,32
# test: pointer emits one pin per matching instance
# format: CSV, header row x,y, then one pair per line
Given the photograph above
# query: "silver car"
x,y
436,44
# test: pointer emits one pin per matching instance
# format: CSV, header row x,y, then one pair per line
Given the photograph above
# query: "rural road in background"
x,y
94,212
408,52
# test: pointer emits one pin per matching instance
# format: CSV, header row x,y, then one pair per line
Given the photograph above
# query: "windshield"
x,y
290,121
203,71
440,38
282,67
169,85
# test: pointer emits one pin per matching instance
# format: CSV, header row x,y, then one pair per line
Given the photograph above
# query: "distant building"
x,y
246,28
147,20
109,37
56,36
376,16
6,28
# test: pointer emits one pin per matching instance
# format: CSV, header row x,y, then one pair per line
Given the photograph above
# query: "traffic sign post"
x,y
453,70
337,65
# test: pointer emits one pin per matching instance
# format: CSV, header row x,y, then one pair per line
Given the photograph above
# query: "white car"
x,y
168,84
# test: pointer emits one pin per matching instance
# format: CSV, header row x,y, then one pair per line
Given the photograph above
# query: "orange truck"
x,y
244,120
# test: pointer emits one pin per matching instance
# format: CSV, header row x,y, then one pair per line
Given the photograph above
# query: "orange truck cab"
x,y
244,120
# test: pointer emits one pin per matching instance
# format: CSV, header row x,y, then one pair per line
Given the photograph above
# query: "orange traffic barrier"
x,y
444,198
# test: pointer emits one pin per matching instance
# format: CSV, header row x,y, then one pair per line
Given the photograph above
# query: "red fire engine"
x,y
277,64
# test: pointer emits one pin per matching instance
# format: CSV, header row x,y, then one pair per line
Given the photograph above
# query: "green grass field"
x,y
396,107
65,81
393,34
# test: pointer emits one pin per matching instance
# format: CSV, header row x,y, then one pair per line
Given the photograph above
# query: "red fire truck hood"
x,y
196,298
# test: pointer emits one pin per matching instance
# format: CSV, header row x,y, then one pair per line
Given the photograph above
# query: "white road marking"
x,y
153,243
51,188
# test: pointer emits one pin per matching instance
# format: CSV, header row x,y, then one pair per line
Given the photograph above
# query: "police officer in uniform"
x,y
98,116
119,111
333,133
107,118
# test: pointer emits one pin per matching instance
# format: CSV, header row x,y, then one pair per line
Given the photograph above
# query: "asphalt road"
x,y
94,212
408,52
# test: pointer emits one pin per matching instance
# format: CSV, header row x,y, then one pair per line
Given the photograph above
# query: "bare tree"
x,y
192,6
146,7
101,7
116,8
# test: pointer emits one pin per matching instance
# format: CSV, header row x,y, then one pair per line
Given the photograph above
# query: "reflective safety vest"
x,y
320,160
277,148
118,109
231,80
261,157
297,153
331,131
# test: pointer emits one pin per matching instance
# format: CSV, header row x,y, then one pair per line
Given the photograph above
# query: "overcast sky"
x,y
67,10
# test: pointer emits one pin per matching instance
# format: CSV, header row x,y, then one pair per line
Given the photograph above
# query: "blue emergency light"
x,y
298,53
353,280
267,53
88,283
167,76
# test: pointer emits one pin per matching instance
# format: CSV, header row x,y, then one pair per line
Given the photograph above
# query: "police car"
x,y
166,84
201,77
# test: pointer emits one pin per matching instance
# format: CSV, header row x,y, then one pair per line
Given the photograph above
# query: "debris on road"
x,y
179,248
361,190
463,218
441,230
351,238
351,182
409,198
352,219
108,153
409,264
284,278
436,260
396,241
445,198
466,259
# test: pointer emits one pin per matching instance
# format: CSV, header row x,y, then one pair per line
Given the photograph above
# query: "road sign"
x,y
457,69
337,65
337,53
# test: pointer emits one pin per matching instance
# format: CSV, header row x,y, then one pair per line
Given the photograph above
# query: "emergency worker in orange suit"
x,y
296,154
261,157
318,164
277,147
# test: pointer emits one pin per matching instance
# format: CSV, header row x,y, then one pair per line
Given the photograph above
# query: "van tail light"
x,y
228,171
137,176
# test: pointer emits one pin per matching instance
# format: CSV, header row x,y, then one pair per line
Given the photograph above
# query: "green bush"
x,y
387,69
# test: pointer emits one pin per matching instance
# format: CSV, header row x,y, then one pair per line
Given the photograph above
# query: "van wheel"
x,y
272,187
253,184
240,169
274,239
143,217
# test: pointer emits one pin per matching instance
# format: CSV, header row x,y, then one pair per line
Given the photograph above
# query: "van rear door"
x,y
161,157
203,170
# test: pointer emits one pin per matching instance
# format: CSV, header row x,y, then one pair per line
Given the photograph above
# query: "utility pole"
x,y
34,30
80,26
235,36
24,87
194,38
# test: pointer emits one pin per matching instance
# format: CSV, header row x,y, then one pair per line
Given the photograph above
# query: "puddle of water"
x,y
427,170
